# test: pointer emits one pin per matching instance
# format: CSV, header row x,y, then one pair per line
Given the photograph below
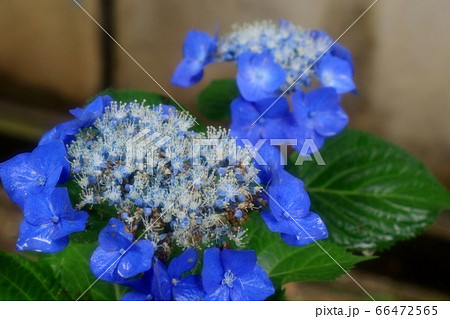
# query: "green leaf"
x,y
71,266
370,193
284,263
23,279
215,100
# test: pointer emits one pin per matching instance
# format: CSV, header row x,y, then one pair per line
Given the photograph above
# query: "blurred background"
x,y
53,57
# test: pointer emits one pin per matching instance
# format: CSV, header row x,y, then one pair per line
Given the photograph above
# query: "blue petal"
x,y
273,106
254,286
35,238
189,288
136,260
287,226
243,113
38,208
51,160
222,293
187,73
271,156
313,229
94,110
114,237
288,197
321,97
336,73
142,284
185,262
136,296
104,263
305,134
330,121
212,273
343,53
17,176
199,46
161,287
337,50
239,262
318,112
62,132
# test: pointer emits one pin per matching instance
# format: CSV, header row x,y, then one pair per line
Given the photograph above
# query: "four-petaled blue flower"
x,y
318,115
289,212
49,219
259,76
270,126
32,173
117,258
234,275
198,51
162,284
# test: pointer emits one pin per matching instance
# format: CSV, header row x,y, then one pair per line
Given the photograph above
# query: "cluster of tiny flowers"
x,y
292,47
163,178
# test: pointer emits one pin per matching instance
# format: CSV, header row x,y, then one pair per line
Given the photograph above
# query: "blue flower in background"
x,y
259,76
318,115
84,117
49,219
289,212
198,51
117,258
335,68
337,50
336,73
31,173
270,126
161,283
234,275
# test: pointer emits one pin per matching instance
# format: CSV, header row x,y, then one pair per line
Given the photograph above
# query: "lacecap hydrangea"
x,y
174,190
275,61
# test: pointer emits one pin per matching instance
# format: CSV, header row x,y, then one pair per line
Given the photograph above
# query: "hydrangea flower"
x,y
270,126
291,48
198,51
234,275
49,219
32,173
318,115
162,283
289,212
258,75
117,258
